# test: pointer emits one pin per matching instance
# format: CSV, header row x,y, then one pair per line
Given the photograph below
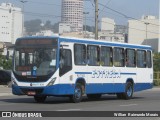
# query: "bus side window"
x,y
141,58
118,57
130,58
80,54
65,61
149,60
106,56
93,54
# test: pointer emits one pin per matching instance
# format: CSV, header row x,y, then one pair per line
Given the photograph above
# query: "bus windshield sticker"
x,y
53,63
24,74
34,71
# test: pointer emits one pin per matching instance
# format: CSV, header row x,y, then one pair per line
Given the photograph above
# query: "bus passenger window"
x,y
130,58
118,57
149,60
93,55
106,56
141,58
80,54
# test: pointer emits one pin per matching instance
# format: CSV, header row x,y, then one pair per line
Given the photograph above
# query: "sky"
x,y
51,9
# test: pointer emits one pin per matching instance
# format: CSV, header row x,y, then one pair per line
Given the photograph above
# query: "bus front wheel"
x,y
40,99
77,96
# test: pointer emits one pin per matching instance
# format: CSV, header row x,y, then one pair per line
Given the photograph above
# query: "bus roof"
x,y
103,42
90,41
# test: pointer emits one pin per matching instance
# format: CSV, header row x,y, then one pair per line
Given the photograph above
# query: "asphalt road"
x,y
148,100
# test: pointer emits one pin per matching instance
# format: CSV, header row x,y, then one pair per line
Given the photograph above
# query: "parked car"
x,y
5,77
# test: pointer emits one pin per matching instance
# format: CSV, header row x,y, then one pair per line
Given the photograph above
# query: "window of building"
x,y
80,54
106,56
93,54
118,57
130,58
141,58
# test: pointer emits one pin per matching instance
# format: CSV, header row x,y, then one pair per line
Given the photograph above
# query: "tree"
x,y
48,25
156,62
55,27
33,26
4,63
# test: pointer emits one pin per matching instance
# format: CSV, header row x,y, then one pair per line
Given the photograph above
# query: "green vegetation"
x,y
156,67
4,63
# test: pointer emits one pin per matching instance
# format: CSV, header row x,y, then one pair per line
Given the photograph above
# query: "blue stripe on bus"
x,y
128,74
91,88
116,73
83,72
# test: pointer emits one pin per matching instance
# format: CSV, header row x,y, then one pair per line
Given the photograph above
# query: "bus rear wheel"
x,y
77,96
128,91
40,99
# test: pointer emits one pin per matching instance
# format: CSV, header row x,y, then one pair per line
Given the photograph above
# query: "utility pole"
x,y
96,19
85,13
146,23
23,2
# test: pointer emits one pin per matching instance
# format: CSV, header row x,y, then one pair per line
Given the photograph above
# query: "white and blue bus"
x,y
59,66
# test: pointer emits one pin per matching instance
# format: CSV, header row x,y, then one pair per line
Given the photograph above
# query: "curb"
x,y
6,94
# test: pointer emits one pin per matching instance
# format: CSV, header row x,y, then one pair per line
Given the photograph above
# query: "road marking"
x,y
70,110
128,105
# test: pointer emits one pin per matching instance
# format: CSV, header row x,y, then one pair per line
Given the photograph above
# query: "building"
x,y
10,23
107,25
45,33
64,28
112,37
72,13
109,31
140,31
121,29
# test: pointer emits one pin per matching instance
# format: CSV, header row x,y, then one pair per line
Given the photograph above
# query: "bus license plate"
x,y
31,93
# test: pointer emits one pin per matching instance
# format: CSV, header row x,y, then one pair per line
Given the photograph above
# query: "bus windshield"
x,y
35,61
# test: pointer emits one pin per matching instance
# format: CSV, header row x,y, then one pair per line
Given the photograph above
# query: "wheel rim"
x,y
77,93
129,91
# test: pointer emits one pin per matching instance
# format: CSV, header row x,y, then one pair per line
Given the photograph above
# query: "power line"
x,y
124,15
104,7
126,26
43,3
87,18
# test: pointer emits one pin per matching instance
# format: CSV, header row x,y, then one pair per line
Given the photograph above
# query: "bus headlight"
x,y
52,82
13,81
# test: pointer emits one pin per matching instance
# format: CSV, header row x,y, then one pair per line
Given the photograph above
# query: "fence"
x,y
156,78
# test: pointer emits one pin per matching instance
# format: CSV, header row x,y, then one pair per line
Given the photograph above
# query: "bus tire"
x,y
77,96
40,99
94,96
128,91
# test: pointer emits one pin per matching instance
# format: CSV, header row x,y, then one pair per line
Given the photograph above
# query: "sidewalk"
x,y
5,91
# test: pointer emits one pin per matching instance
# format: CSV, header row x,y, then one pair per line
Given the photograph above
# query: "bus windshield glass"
x,y
35,60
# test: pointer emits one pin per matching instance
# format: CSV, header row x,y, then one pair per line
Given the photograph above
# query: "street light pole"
x,y
23,1
85,13
96,19
146,23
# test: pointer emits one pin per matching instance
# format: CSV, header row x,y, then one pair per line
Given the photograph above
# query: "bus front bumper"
x,y
60,89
